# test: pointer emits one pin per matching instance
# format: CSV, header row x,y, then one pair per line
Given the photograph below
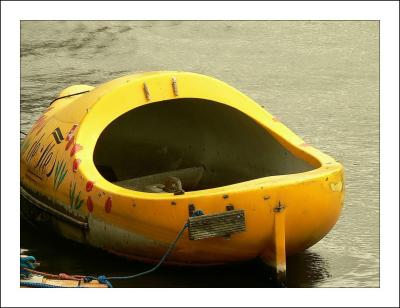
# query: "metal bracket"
x,y
280,242
280,207
146,91
191,209
230,207
175,86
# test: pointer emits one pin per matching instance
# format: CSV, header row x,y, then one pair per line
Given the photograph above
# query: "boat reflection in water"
x,y
306,269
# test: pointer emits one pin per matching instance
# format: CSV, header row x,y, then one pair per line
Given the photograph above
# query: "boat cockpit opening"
x,y
189,144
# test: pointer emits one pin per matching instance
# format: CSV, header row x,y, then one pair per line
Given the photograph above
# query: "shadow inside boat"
x,y
58,255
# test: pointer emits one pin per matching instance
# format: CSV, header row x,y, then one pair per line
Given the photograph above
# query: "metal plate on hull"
x,y
216,225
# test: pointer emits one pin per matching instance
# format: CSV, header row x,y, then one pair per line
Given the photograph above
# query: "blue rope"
x,y
28,262
104,279
167,253
197,213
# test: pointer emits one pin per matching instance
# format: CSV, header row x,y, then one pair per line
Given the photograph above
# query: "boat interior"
x,y
189,144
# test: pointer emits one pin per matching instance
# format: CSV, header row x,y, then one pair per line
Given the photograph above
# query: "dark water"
x,y
320,78
58,255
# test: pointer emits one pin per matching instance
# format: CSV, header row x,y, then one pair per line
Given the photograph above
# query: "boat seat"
x,y
182,179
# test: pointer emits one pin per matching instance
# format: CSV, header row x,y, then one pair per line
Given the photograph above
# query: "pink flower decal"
x,y
108,205
89,186
70,142
75,148
71,132
89,204
76,164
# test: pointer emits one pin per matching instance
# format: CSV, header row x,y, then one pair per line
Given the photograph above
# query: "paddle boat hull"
x,y
88,163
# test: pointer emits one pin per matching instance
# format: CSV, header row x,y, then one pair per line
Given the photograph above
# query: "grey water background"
x,y
320,78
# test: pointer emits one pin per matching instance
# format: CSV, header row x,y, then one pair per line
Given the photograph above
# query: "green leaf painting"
x,y
60,173
74,201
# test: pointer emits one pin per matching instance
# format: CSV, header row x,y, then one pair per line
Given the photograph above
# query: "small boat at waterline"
x,y
31,278
124,165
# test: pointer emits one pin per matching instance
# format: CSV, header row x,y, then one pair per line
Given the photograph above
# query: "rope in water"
x,y
104,279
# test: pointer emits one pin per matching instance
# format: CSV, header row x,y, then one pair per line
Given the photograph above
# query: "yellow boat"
x,y
123,166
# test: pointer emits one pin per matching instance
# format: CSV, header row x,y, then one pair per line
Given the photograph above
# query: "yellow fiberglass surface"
x,y
94,165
